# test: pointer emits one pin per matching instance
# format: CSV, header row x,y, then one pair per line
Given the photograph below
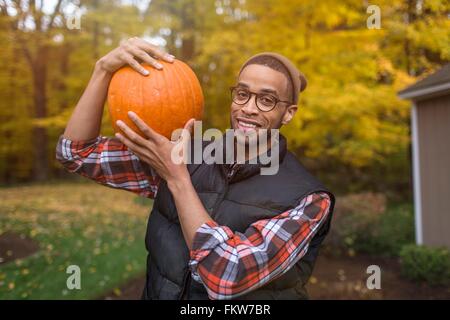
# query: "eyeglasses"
x,y
264,101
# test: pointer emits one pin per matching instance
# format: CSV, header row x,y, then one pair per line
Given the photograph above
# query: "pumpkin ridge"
x,y
159,78
141,93
174,87
183,110
188,76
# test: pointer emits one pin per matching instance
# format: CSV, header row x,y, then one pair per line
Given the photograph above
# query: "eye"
x,y
242,94
267,100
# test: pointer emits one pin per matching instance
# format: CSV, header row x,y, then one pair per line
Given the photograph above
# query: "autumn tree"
x,y
55,44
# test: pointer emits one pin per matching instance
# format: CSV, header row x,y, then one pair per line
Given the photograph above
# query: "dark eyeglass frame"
x,y
257,95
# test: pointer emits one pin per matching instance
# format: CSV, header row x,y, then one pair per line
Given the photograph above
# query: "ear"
x,y
289,114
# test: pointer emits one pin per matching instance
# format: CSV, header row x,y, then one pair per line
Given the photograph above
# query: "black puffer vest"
x,y
233,198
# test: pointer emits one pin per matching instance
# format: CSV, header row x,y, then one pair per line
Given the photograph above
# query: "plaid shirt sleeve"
x,y
108,162
230,264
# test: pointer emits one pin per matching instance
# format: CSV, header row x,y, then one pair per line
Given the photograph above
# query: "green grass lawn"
x,y
99,229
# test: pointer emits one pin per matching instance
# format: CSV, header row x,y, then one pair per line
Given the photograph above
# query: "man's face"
x,y
247,119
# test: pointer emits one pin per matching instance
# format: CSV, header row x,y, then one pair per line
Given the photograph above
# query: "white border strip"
x,y
425,91
416,176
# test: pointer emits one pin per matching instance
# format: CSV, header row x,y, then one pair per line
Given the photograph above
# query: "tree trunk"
x,y
95,38
64,69
188,27
40,139
407,45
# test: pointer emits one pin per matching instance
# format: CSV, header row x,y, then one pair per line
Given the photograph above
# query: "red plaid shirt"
x,y
228,263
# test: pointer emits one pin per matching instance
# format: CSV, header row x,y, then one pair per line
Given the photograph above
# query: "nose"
x,y
250,107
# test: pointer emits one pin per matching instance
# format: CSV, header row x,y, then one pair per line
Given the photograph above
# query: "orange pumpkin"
x,y
166,99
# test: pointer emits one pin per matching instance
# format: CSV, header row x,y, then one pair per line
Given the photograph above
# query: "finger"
x,y
154,50
138,150
189,126
149,132
144,56
135,65
187,130
130,134
181,133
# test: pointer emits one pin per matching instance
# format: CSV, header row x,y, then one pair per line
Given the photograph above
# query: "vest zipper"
x,y
233,170
230,176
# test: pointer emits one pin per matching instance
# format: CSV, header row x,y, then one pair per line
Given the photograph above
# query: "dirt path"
x,y
130,291
15,246
345,278
338,278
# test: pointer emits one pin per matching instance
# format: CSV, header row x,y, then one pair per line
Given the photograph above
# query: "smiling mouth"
x,y
247,125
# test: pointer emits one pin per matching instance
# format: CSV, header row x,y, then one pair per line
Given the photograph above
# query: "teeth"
x,y
247,125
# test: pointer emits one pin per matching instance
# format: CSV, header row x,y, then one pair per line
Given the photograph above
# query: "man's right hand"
x,y
129,51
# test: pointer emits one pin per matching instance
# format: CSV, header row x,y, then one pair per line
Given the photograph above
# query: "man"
x,y
218,231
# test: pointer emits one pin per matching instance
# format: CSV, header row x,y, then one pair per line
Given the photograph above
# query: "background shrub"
x,y
421,263
365,223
